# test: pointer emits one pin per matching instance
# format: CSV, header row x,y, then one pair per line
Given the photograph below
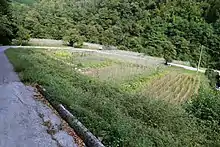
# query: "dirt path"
x,y
23,120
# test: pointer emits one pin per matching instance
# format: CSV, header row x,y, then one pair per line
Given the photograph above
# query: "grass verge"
x,y
118,118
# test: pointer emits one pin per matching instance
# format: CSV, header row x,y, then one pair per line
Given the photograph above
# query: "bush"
x,y
213,77
22,36
206,108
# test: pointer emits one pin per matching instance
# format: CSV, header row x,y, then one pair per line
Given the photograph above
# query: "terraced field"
x,y
100,67
176,86
81,60
119,72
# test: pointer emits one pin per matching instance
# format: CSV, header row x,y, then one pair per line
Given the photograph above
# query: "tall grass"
x,y
206,108
119,118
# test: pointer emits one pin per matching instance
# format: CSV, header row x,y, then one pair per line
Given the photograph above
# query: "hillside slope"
x,y
174,29
25,1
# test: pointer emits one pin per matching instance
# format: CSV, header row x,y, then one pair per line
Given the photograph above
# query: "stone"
x,y
64,140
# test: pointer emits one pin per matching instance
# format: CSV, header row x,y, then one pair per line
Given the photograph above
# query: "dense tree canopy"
x,y
6,26
154,27
25,1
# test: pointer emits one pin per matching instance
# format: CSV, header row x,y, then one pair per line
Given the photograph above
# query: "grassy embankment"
x,y
118,117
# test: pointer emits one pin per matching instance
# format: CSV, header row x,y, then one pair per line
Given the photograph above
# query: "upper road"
x,y
128,56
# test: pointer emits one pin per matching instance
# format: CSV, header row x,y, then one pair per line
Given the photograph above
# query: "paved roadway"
x,y
20,122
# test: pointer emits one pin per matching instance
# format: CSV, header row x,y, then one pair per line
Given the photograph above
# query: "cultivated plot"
x,y
101,67
175,86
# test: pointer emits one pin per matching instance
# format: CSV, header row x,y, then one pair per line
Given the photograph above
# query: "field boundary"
x,y
88,138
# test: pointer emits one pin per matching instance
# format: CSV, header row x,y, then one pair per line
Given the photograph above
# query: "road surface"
x,y
22,119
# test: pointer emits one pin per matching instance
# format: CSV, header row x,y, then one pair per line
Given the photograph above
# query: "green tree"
x,y
73,38
213,12
22,36
169,52
7,28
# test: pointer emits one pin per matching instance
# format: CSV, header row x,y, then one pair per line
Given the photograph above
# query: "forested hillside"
x,y
174,29
25,1
7,28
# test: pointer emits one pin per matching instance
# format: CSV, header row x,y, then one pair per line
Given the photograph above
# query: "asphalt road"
x,y
22,118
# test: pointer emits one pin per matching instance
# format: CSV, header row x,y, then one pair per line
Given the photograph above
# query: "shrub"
x,y
213,77
206,108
